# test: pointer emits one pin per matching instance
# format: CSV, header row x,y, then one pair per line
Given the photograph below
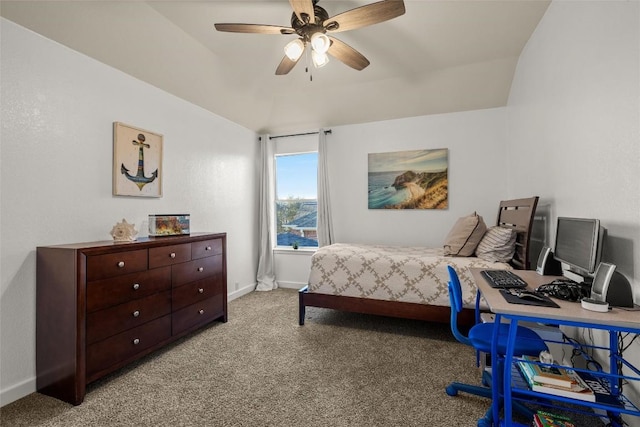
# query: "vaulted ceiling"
x,y
439,57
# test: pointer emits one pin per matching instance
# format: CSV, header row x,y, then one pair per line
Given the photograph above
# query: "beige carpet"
x,y
262,369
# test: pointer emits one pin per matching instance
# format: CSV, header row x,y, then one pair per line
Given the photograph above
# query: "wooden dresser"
x,y
102,305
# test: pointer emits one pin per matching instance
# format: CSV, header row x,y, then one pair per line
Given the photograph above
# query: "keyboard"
x,y
503,279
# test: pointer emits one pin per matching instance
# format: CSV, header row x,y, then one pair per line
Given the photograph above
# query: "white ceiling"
x,y
439,57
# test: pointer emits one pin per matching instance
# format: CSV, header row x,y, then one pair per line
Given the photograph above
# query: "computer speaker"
x,y
547,265
611,286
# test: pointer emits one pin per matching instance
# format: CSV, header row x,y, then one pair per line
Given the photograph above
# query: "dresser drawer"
x,y
108,352
112,265
107,292
197,314
105,323
193,292
196,270
169,255
206,248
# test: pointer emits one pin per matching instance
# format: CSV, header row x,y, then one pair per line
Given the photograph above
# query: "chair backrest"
x,y
455,301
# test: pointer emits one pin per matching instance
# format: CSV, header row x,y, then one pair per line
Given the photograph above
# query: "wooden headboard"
x,y
518,214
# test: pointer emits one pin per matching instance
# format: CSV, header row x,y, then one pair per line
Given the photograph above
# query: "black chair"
x,y
479,337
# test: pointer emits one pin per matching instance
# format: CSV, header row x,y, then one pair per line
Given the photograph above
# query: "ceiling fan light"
x,y
320,42
319,59
294,49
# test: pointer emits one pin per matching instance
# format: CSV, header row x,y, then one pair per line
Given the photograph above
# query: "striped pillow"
x,y
497,245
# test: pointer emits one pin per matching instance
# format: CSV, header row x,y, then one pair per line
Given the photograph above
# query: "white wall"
x,y
292,267
573,120
574,125
58,107
477,179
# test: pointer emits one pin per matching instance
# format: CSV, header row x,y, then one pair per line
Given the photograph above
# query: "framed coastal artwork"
x,y
416,179
137,162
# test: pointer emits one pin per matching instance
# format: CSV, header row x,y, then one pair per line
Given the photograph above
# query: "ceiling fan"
x,y
312,23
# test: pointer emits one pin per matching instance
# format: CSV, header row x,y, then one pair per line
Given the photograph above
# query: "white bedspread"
x,y
393,273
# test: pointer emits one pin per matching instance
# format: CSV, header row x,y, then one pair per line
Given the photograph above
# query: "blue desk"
x,y
614,322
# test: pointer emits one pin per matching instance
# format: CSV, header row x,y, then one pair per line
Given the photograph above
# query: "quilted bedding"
x,y
392,273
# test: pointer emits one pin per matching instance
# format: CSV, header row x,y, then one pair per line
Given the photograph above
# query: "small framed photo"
x,y
137,162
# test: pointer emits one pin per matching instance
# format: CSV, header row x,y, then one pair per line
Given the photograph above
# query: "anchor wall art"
x,y
137,162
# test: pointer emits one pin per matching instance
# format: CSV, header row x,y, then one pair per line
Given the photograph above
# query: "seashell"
x,y
124,232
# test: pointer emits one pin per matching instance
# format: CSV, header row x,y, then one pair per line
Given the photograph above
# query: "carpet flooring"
x,y
262,369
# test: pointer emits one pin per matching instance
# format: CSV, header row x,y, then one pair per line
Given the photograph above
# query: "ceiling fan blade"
x,y
286,65
303,7
365,15
254,28
347,54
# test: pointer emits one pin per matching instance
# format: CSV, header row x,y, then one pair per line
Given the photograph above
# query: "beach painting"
x,y
416,179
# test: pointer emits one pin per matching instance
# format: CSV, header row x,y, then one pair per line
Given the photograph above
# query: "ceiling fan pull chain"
x,y
306,67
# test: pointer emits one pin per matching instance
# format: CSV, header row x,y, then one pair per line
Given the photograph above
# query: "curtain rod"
x,y
297,134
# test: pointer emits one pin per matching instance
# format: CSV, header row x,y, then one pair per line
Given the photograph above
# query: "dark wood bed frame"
x,y
517,214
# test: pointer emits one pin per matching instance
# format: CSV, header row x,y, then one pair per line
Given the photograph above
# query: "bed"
x,y
408,282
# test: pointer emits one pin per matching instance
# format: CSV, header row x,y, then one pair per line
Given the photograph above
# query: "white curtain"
x,y
325,227
266,276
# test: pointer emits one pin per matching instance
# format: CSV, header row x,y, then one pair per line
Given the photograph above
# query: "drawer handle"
x,y
201,312
121,264
172,255
136,286
200,268
208,248
200,290
136,313
136,341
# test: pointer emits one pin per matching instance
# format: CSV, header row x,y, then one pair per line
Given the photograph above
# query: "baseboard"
x,y
17,391
240,292
291,285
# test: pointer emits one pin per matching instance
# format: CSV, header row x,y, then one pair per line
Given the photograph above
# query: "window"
x,y
296,200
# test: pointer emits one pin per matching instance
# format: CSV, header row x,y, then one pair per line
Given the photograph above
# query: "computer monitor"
x,y
579,245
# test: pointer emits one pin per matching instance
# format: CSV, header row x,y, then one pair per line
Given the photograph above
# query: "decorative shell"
x,y
124,232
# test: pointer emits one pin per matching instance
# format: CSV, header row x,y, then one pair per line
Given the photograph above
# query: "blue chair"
x,y
479,337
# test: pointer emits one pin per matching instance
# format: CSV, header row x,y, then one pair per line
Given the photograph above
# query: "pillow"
x,y
464,236
497,245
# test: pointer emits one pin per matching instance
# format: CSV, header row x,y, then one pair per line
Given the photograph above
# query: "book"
x,y
601,389
547,419
552,375
578,390
588,387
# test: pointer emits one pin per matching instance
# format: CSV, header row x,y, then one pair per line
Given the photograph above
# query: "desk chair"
x,y
479,337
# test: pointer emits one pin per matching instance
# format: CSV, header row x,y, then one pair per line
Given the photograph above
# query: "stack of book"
x,y
555,380
546,419
585,385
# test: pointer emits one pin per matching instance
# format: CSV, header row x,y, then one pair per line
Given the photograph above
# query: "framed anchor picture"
x,y
137,162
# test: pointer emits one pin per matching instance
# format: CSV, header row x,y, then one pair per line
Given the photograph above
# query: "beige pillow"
x,y
497,245
465,235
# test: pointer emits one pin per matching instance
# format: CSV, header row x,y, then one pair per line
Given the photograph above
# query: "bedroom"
x,y
574,95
